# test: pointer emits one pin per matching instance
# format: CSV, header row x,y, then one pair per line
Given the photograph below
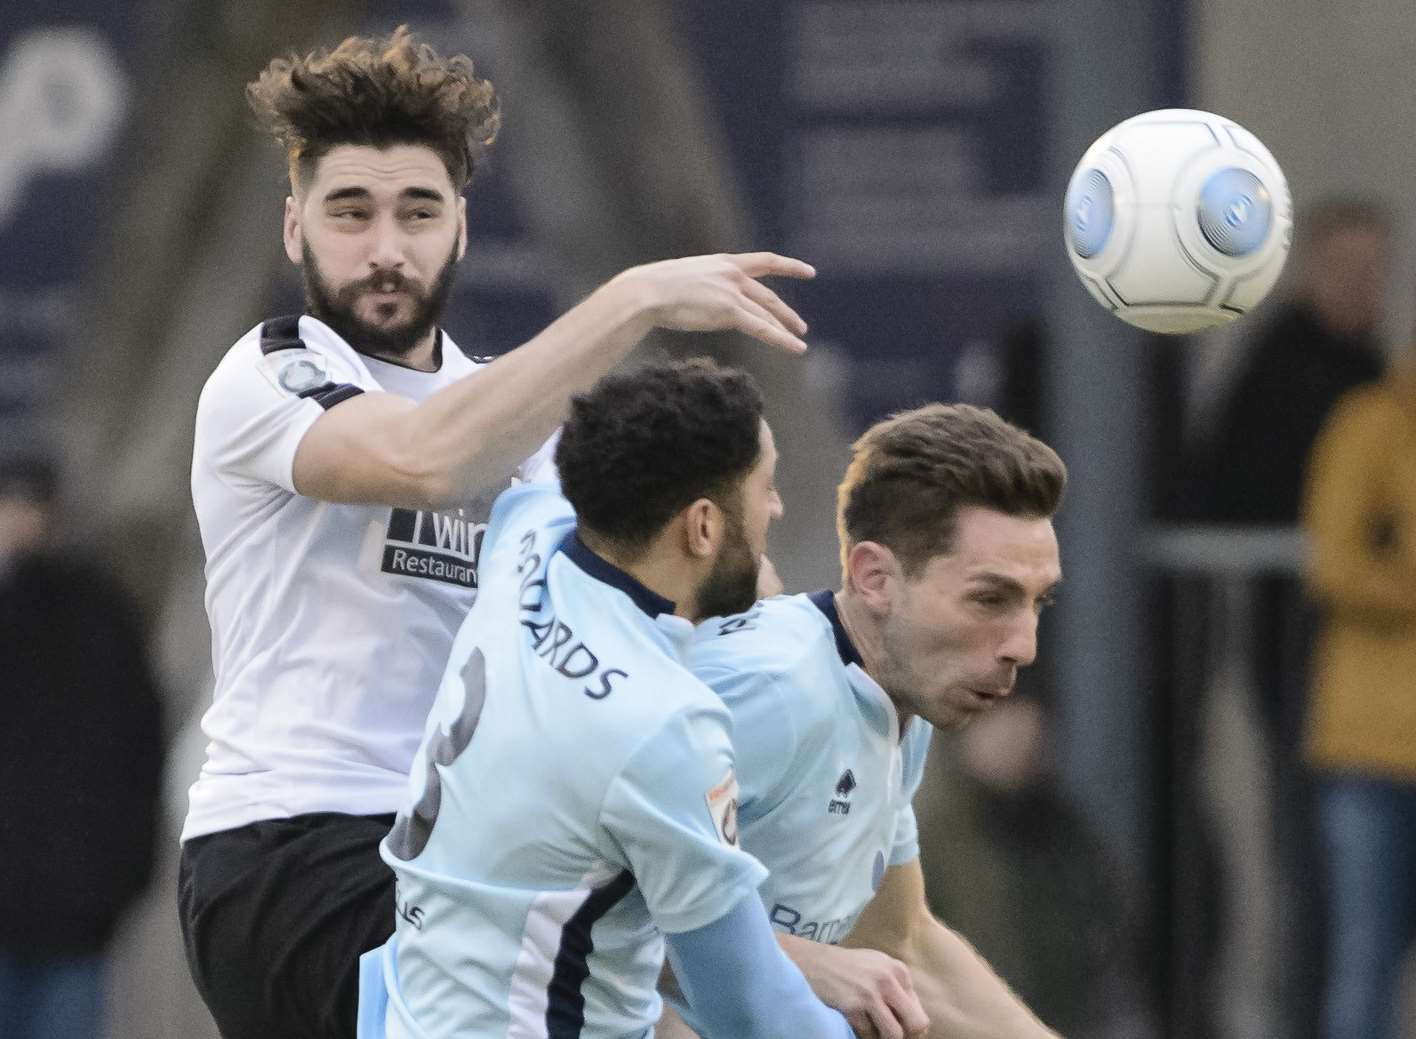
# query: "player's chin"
x,y
965,707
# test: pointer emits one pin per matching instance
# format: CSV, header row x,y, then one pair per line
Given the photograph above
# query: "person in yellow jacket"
x,y
1360,515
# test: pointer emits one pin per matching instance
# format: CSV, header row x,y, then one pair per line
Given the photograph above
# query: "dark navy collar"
x,y
826,603
606,572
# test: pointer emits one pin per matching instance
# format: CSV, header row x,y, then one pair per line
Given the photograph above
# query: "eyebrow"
x,y
362,194
1001,581
341,194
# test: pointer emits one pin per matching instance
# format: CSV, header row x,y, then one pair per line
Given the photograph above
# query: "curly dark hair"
x,y
640,446
911,473
379,91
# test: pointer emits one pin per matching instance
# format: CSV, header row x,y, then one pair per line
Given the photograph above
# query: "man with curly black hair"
x,y
343,465
575,799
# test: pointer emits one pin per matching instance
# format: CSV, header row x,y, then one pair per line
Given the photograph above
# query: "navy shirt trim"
x,y
565,998
281,333
606,572
826,602
329,394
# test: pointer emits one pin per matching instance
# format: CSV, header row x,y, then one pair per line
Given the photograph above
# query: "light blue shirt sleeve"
x,y
672,813
914,752
737,983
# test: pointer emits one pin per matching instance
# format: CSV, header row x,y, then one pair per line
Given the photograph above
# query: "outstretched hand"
x,y
722,292
874,992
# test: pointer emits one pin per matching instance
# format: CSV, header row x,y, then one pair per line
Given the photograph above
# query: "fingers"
x,y
860,1024
713,293
752,319
759,265
770,301
899,994
883,1020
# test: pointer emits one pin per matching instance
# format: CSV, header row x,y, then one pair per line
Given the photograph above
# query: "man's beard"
x,y
731,586
336,308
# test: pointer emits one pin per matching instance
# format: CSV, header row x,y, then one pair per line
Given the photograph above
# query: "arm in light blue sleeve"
x,y
738,984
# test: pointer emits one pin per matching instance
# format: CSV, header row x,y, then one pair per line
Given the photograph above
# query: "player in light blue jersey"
x,y
948,557
574,799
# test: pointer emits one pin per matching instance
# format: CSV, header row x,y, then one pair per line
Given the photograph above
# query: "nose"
x,y
775,507
1019,647
387,244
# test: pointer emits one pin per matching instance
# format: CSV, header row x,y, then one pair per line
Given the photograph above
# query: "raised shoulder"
x,y
775,637
777,671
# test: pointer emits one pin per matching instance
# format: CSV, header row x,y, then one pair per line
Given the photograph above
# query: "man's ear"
x,y
874,573
703,526
292,232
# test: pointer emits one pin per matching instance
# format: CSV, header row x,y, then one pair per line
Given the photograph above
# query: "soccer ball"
x,y
1178,220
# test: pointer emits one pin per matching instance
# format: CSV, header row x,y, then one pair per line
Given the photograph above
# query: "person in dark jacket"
x,y
81,752
1313,349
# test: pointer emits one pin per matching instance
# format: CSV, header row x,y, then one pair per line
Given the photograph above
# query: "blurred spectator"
x,y
80,756
1027,882
1313,349
1361,516
1320,343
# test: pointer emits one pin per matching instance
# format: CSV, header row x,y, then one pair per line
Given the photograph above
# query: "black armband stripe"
x,y
328,394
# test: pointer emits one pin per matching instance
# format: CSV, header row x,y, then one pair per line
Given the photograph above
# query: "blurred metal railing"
x,y
1230,651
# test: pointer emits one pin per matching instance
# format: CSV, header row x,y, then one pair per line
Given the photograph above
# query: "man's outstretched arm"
x,y
382,449
960,992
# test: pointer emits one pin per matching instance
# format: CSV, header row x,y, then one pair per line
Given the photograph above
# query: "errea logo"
x,y
840,804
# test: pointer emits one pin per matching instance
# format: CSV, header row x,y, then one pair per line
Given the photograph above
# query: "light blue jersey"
x,y
573,798
826,776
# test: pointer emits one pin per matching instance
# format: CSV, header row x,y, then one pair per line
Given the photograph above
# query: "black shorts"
x,y
275,916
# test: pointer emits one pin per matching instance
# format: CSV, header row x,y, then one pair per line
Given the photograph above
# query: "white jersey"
x,y
330,623
573,799
827,777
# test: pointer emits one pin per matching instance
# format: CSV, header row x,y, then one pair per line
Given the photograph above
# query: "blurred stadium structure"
x,y
915,150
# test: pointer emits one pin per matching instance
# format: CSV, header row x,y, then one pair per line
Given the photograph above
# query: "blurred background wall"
x,y
916,152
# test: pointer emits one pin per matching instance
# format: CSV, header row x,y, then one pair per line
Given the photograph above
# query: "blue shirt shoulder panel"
x,y
762,664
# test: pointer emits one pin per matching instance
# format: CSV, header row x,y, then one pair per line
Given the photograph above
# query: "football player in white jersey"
x,y
948,558
344,461
574,798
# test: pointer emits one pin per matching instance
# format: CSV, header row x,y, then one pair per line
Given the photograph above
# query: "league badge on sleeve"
x,y
723,807
295,371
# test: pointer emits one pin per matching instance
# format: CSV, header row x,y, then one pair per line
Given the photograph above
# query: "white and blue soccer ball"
x,y
1178,220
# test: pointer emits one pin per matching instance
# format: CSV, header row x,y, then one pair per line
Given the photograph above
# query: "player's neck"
x,y
423,357
863,631
868,638
651,569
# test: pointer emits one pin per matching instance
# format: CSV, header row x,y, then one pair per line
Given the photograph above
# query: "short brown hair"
x,y
377,91
911,473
